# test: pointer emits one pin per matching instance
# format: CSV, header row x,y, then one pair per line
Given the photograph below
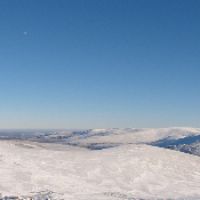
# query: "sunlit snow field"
x,y
101,164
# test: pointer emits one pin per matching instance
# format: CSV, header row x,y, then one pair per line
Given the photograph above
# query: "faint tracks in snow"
x,y
42,195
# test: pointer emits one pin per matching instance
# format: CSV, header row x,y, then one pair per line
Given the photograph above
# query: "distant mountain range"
x,y
181,139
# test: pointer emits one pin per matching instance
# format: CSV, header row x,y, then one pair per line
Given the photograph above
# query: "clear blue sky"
x,y
99,63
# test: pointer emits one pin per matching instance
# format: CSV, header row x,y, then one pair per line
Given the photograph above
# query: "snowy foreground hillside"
x,y
100,164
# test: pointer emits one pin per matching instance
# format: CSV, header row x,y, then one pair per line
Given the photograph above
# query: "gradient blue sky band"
x,y
91,63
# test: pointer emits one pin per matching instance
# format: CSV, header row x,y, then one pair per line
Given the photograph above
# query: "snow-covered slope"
x,y
131,169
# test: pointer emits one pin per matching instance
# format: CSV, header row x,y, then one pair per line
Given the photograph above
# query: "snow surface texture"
x,y
100,164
